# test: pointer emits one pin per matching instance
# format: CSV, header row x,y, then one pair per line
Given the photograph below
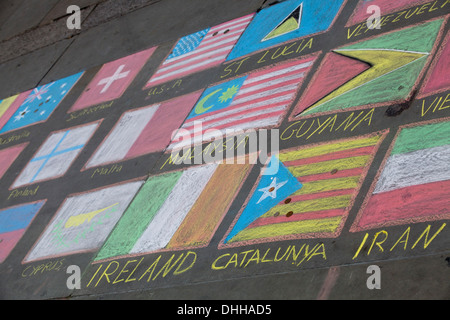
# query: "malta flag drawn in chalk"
x,y
143,131
415,182
255,101
200,51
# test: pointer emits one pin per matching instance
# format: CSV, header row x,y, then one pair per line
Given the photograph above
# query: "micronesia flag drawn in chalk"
x,y
257,100
199,51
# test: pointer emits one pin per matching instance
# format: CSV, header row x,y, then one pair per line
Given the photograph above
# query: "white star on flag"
x,y
271,191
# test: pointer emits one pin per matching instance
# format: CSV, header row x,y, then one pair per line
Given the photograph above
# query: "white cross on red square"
x,y
112,80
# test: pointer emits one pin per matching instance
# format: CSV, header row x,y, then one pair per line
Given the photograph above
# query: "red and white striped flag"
x,y
200,50
257,100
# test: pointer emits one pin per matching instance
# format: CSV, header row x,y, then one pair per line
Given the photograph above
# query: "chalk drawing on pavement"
x,y
34,106
83,221
309,197
56,155
14,222
286,21
143,131
113,79
413,184
258,100
8,156
386,6
200,51
438,80
175,211
372,72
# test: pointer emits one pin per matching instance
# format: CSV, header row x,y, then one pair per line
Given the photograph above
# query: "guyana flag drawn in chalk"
x,y
414,185
309,197
374,71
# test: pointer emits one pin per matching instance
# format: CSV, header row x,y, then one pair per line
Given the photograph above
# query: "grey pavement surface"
x,y
36,48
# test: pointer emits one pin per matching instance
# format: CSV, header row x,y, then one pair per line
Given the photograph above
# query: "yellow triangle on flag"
x,y
5,104
382,63
289,24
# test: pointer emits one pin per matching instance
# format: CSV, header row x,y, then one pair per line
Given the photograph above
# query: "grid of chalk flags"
x,y
314,187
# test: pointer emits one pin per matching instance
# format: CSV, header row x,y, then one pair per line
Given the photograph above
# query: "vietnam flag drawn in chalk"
x,y
255,101
414,185
176,210
200,51
311,195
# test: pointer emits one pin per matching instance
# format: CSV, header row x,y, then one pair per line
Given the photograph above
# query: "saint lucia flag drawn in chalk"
x,y
286,21
257,100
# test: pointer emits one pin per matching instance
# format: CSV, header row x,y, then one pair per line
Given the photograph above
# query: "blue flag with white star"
x,y
40,103
271,190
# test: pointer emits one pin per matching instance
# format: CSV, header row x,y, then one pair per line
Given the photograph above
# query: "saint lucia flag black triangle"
x,y
289,24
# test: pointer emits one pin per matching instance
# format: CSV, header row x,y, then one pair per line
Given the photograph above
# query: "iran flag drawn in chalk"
x,y
414,185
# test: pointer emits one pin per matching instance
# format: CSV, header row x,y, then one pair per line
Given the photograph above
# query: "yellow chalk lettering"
x,y
124,270
129,279
179,271
106,274
99,268
168,266
151,269
245,253
378,243
214,265
255,257
406,233
425,234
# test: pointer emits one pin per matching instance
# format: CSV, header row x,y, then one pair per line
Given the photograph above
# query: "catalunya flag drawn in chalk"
x,y
177,210
310,196
415,182
13,224
34,106
200,51
257,100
